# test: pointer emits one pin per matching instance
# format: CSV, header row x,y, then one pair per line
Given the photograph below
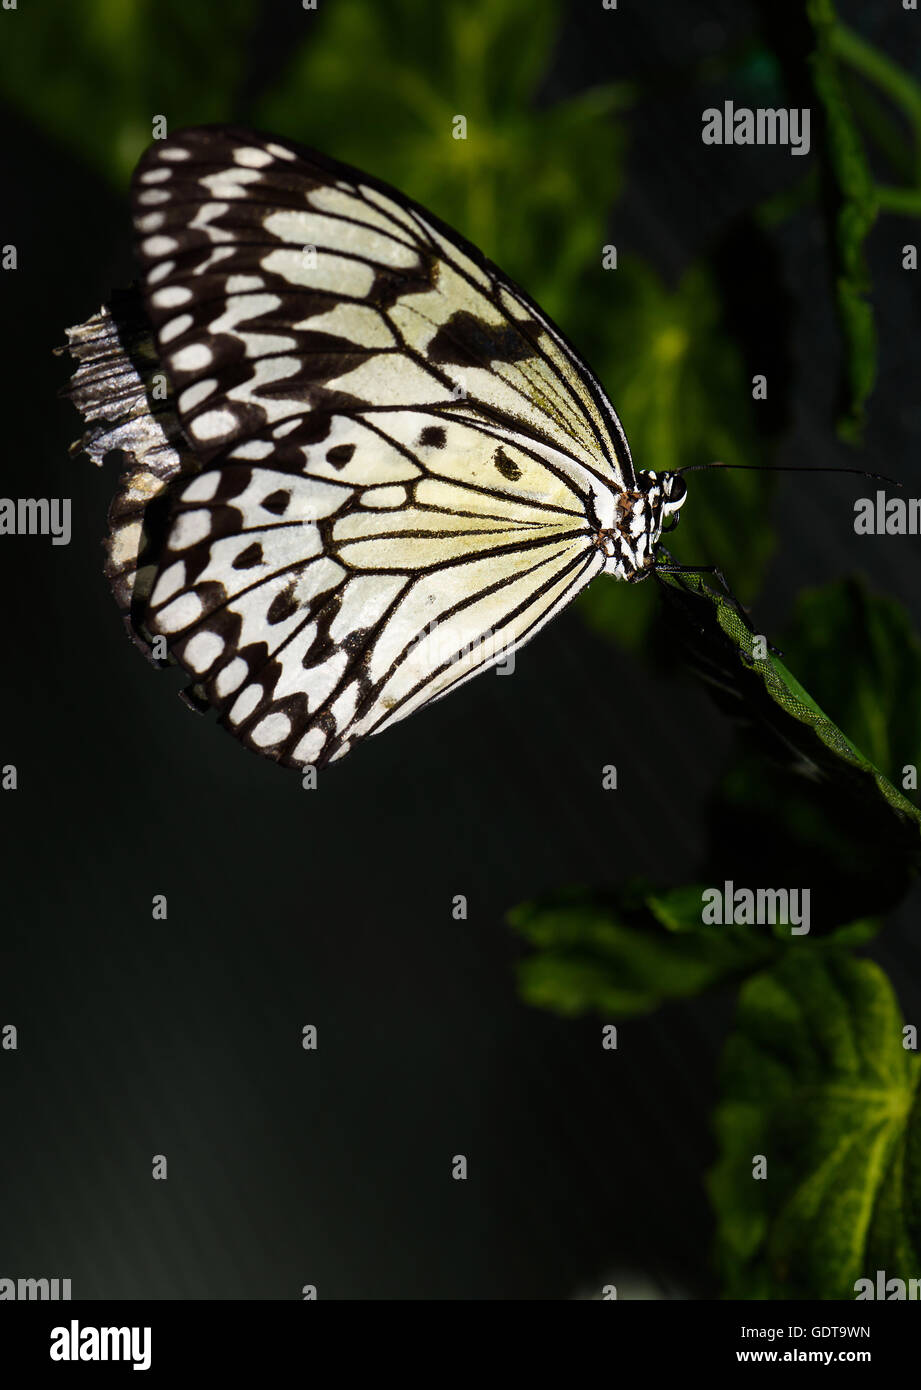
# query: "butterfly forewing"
x,y
403,460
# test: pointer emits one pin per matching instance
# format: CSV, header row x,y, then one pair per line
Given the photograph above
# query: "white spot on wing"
x,y
171,297
246,703
180,613
252,449
214,424
165,268
169,583
194,395
310,746
232,676
242,284
230,183
271,730
157,246
203,650
190,528
191,358
203,488
252,157
175,328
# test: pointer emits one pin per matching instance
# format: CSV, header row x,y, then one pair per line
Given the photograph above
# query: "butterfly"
x,y
360,465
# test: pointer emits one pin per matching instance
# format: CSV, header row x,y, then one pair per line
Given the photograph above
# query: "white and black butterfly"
x,y
361,466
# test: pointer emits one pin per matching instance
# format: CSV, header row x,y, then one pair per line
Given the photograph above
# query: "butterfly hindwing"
x,y
316,610
402,458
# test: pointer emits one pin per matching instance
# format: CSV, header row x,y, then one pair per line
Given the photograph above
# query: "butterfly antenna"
x,y
789,468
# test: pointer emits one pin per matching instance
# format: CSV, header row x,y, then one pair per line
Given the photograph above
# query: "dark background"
x,y
333,907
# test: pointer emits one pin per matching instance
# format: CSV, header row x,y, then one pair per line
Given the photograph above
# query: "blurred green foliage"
x,y
379,86
624,954
853,111
851,198
816,1079
99,71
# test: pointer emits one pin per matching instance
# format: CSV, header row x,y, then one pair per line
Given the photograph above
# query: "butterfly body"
x,y
379,467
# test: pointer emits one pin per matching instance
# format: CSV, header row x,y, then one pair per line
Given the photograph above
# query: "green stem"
x,y
887,76
864,58
904,200
884,129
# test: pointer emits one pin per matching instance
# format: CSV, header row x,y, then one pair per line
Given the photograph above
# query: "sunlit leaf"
x,y
817,1081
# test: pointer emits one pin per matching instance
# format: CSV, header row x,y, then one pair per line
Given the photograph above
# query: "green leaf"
x,y
853,208
627,953
847,822
618,958
815,1079
845,627
766,693
95,74
678,383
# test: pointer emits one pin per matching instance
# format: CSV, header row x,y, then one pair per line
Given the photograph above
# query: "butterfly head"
x,y
643,514
674,491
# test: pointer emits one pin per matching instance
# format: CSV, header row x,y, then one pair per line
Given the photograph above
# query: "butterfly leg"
x,y
717,573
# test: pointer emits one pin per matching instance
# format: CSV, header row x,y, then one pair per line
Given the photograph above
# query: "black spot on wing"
x,y
277,502
249,557
506,466
467,341
433,437
282,606
340,454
